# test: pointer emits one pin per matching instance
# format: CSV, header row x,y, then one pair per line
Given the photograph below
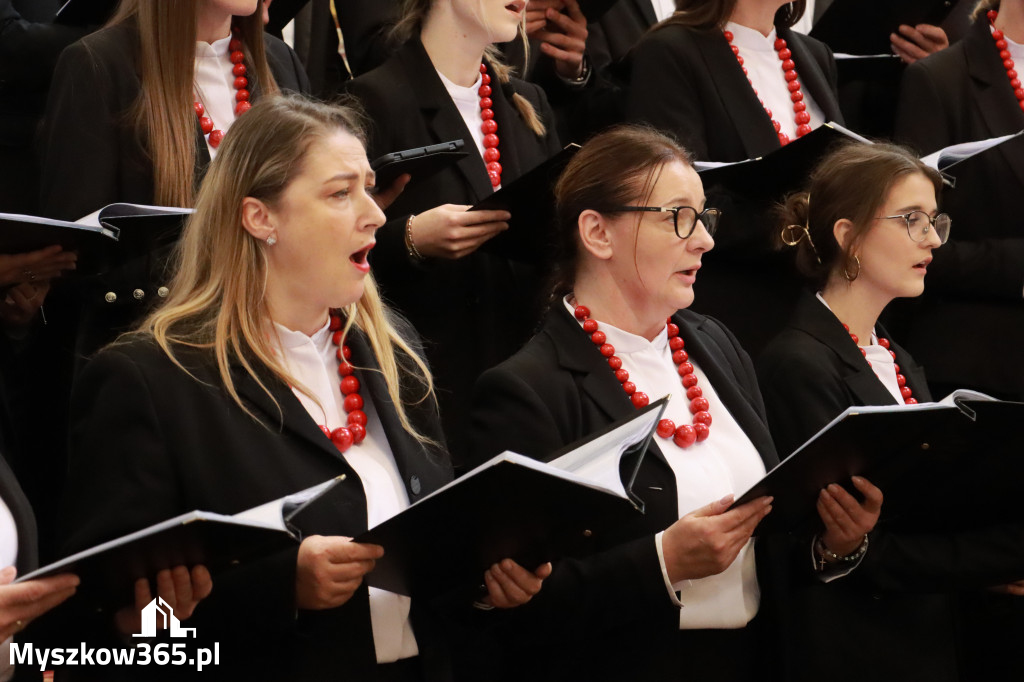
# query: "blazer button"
x,y
162,292
414,485
139,294
110,297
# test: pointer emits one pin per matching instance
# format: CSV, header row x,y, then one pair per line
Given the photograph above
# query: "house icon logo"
x,y
159,615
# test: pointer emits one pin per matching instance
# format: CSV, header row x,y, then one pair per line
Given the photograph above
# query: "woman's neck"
x,y
1011,19
212,24
756,14
455,49
855,307
609,304
298,318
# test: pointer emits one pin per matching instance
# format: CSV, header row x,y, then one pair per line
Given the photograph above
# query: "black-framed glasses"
x,y
684,218
919,224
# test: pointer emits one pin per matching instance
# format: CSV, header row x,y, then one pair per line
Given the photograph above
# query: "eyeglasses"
x,y
919,224
684,218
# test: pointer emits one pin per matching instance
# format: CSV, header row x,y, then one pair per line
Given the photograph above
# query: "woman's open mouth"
x,y
360,257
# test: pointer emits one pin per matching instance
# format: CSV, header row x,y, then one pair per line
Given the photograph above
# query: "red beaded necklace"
x,y
489,128
344,437
901,381
803,119
687,434
1004,54
241,94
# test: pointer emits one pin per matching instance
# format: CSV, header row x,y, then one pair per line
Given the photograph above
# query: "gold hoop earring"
x,y
846,270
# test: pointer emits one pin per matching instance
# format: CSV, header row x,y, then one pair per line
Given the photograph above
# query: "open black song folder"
x,y
419,162
863,26
109,570
515,506
957,463
531,201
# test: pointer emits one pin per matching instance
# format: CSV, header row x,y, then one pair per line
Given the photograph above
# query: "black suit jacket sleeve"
x,y
29,50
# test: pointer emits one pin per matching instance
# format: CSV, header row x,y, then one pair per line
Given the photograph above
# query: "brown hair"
x,y
614,168
710,15
851,182
217,300
163,115
414,13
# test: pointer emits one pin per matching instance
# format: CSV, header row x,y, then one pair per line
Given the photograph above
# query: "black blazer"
x,y
976,281
150,442
892,617
91,153
476,311
609,615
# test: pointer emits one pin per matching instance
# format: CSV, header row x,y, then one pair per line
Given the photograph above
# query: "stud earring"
x,y
271,240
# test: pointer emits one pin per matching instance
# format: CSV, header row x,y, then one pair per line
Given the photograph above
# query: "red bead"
x,y
353,402
676,343
793,85
897,368
491,154
622,375
689,381
489,127
1001,45
702,432
615,362
590,326
486,103
992,14
581,312
215,138
1022,105
357,417
685,436
629,387
206,124
358,432
788,65
884,343
490,140
239,69
327,431
1008,64
494,178
342,438
790,76
607,350
680,356
698,405
349,384
345,369
485,79
854,337
846,327
1015,83
200,109
685,368
484,91
242,107
906,392
997,35
777,126
802,130
702,417
740,60
910,401
746,73
1011,74
672,329
780,44
237,57
483,68
1018,93
799,106
735,50
785,54
335,324
666,427
901,380
640,399
803,117
694,392
235,45
242,96
1004,54
796,96
783,139
487,114
863,352
770,115
494,167
892,354
598,338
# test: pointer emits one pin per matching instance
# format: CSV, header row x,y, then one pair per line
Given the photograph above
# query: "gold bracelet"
x,y
410,245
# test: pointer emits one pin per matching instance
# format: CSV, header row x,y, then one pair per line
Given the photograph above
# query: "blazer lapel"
x,y
812,78
442,116
993,95
707,355
646,9
913,372
509,129
751,122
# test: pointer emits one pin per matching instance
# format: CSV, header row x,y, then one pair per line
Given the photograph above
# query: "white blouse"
x,y
726,463
765,72
215,84
313,363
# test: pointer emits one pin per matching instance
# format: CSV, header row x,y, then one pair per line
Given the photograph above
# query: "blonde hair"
x,y
414,13
217,297
982,7
163,114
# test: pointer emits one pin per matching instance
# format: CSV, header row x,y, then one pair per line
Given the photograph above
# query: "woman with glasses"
x,y
864,233
675,592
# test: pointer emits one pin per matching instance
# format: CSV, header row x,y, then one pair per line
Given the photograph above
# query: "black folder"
x,y
109,570
419,162
863,26
531,201
511,506
939,466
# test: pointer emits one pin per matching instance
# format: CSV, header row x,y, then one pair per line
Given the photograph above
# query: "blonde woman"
x,y
446,82
274,366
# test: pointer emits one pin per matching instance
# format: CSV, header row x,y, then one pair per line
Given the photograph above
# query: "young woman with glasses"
x,y
864,233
